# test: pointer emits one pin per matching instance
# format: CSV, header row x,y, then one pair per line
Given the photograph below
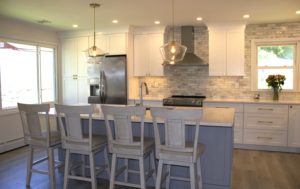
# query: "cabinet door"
x,y
117,44
294,126
217,52
69,57
235,53
82,46
155,41
69,91
82,90
140,57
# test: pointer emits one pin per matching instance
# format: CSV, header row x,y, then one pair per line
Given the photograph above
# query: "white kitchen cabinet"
x,y
294,126
226,50
238,117
147,59
74,70
113,44
265,124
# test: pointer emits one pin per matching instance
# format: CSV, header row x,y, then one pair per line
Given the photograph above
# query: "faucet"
x,y
141,92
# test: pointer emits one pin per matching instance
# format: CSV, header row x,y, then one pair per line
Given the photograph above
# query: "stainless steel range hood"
x,y
187,39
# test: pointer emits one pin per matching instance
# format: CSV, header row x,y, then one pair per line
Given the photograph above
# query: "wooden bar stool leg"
x,y
199,174
113,172
106,161
142,172
159,174
126,170
51,169
168,177
192,176
92,170
67,164
153,166
29,166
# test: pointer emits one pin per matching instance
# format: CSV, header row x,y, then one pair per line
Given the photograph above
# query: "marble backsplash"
x,y
194,80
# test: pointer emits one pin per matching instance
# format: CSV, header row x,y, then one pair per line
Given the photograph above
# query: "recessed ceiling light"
x,y
298,12
198,18
115,21
246,16
75,26
156,22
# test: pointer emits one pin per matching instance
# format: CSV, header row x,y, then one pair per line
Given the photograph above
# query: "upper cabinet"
x,y
113,44
226,50
147,60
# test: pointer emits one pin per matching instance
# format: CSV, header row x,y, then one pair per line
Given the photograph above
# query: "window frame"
x,y
269,42
38,45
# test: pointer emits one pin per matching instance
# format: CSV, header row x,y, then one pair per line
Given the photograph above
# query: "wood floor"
x,y
251,170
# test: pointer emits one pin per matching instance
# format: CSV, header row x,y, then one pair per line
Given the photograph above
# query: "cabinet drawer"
x,y
238,107
238,135
265,121
265,137
266,108
238,120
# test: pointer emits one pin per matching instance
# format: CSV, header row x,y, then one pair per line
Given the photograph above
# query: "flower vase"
x,y
275,93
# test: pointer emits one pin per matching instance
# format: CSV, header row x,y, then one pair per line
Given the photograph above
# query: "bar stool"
x,y
76,142
122,143
34,117
175,150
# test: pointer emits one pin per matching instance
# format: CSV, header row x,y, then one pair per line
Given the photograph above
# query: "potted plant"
x,y
276,82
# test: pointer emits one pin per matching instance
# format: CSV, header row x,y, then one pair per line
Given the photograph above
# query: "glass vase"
x,y
275,93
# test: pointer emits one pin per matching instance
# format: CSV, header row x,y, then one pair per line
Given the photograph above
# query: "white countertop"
x,y
219,117
245,101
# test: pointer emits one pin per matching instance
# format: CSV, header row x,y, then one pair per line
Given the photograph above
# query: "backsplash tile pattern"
x,y
194,80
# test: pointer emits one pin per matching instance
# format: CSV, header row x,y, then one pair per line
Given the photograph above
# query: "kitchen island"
x,y
216,133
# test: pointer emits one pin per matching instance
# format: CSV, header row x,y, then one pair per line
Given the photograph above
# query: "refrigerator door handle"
x,y
102,86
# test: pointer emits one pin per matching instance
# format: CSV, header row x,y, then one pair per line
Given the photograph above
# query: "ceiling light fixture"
x,y
172,51
246,16
156,22
199,19
75,26
95,51
298,12
115,21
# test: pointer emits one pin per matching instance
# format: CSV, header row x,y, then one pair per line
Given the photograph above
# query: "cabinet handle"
x,y
266,109
262,137
269,122
75,76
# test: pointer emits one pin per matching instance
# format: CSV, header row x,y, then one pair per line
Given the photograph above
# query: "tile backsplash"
x,y
194,80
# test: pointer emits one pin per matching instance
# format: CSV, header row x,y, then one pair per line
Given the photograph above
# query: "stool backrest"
x,y
72,125
32,121
175,121
120,133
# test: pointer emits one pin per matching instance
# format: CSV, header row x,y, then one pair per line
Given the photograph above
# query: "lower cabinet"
x,y
294,126
265,124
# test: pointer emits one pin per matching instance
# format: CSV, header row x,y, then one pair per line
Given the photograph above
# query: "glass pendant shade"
x,y
173,52
95,52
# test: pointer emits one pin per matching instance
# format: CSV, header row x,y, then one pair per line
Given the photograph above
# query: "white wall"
x,y
10,124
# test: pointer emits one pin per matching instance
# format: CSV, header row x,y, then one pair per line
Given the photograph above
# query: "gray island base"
x,y
216,133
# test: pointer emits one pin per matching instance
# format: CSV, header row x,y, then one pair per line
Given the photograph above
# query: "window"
x,y
27,74
275,57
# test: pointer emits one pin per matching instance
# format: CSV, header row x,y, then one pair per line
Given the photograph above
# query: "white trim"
x,y
280,41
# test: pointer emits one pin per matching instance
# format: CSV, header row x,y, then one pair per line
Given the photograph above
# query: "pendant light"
x,y
94,51
172,51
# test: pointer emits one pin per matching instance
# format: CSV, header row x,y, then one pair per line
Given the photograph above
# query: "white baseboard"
x,y
10,145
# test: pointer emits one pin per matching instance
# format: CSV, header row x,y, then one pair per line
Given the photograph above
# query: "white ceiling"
x,y
64,13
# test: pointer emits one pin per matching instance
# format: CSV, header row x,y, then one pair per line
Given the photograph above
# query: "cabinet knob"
x,y
291,106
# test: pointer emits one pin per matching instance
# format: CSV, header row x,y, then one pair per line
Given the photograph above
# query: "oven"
x,y
184,100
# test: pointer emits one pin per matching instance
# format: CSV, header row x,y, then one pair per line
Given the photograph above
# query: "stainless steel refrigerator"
x,y
107,79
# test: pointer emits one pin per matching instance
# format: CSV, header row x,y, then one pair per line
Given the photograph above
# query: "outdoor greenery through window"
x,y
276,59
27,74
